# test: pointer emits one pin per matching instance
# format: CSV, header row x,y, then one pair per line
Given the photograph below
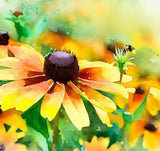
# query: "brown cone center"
x,y
61,66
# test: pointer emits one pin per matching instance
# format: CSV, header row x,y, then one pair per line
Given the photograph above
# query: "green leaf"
x,y
98,128
35,120
125,115
137,114
69,135
34,140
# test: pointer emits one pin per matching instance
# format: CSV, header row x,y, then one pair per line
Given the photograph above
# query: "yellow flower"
x,y
148,127
12,117
142,86
8,139
60,79
99,144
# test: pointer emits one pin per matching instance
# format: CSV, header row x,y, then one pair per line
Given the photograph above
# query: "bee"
x,y
128,48
111,47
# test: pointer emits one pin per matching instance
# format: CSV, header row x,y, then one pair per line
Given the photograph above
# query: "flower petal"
x,y
13,117
75,109
26,96
3,51
52,101
103,116
97,99
106,86
101,71
153,105
137,129
151,141
83,64
28,53
9,88
155,92
18,69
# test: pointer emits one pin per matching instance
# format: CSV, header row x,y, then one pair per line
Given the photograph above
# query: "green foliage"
x,y
34,140
69,135
20,23
98,128
137,114
46,50
37,122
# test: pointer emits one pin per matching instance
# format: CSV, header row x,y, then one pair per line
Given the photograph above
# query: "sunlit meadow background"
x,y
96,23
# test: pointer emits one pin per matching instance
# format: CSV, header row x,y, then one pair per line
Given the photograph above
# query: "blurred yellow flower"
x,y
8,139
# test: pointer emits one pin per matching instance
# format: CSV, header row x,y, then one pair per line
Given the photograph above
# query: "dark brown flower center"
x,y
140,90
4,37
2,147
61,66
150,126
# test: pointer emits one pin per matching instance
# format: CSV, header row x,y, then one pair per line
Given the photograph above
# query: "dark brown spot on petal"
x,y
34,73
150,126
10,54
34,80
140,90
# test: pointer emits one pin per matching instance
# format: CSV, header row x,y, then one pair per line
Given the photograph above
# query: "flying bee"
x,y
128,48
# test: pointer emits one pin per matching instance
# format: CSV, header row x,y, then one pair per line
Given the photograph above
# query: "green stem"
x,y
121,75
55,130
125,144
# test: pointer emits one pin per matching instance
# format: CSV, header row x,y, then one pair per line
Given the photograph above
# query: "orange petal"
x,y
11,87
16,147
13,117
52,101
28,53
106,86
75,108
100,71
137,129
99,144
116,119
18,69
97,99
13,136
3,51
26,96
151,140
